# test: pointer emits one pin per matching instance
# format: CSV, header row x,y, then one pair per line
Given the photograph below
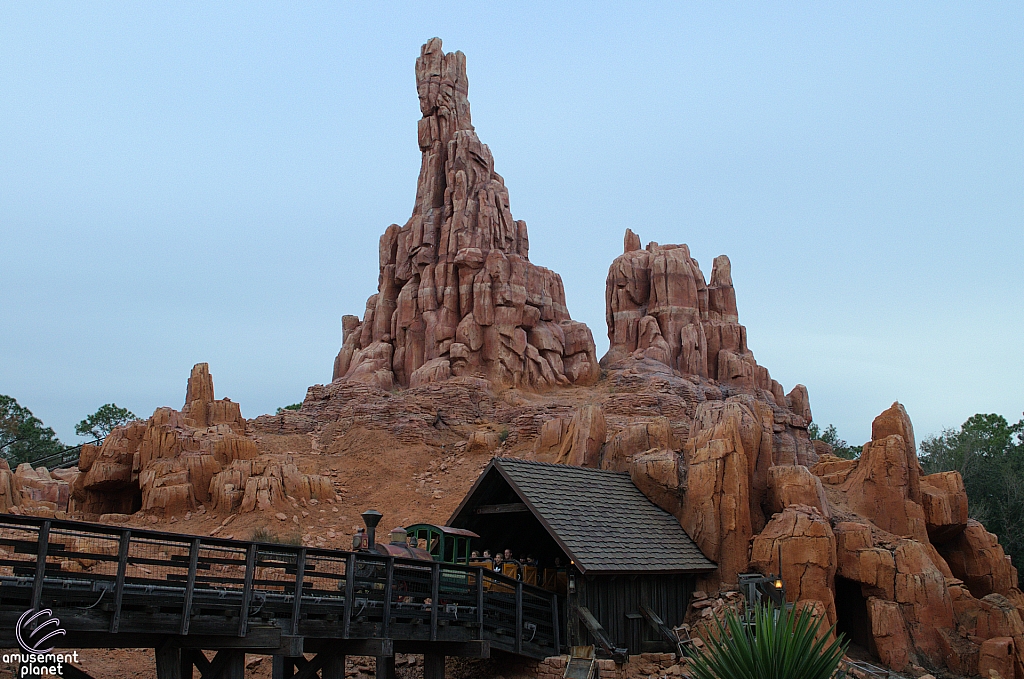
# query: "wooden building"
x,y
627,564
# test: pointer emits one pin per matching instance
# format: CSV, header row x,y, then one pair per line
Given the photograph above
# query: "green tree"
x,y
831,437
988,452
103,421
22,435
294,406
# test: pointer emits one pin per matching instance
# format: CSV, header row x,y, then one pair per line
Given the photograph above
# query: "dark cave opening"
x,y
852,615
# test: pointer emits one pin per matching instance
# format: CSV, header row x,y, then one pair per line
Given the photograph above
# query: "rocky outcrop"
x,y
937,588
577,440
457,293
176,461
659,306
803,539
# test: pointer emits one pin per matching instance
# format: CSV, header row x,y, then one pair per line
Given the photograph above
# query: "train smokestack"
x,y
371,517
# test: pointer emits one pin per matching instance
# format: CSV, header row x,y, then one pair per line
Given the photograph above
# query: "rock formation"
x,y
457,293
178,460
659,306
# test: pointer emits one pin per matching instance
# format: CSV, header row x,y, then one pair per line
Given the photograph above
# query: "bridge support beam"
x,y
173,662
386,667
433,666
329,664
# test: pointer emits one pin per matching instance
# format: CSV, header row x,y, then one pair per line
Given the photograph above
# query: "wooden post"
x,y
435,594
433,666
190,585
554,623
243,614
350,592
122,566
334,667
480,602
519,616
385,667
300,572
283,667
41,546
168,661
389,581
229,663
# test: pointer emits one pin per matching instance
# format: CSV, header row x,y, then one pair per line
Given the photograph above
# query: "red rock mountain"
x,y
457,293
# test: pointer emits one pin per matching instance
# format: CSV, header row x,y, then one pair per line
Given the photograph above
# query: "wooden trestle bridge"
x,y
117,587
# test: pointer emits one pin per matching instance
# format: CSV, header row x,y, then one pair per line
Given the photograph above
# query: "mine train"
x,y
447,545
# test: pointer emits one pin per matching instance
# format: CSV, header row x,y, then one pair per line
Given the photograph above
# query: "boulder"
x,y
976,557
637,438
795,485
997,655
660,475
944,500
584,437
879,488
716,510
804,541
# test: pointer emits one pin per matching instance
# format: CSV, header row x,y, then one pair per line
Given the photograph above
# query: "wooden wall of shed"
x,y
615,602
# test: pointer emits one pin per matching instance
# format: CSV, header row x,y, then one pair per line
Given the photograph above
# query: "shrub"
x,y
780,644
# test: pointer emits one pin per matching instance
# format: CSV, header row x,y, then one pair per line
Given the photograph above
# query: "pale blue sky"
x,y
207,182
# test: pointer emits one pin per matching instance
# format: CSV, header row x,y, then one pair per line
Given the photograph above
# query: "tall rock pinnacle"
x,y
457,294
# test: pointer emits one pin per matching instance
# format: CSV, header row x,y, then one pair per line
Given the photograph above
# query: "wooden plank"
x,y
41,546
300,573
389,581
350,592
122,567
250,569
190,585
435,595
519,617
507,508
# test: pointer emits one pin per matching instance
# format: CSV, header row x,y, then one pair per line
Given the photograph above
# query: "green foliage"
x,y
294,406
503,434
988,452
831,437
103,421
22,435
781,644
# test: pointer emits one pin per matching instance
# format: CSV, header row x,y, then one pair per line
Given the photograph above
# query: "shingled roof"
x,y
599,518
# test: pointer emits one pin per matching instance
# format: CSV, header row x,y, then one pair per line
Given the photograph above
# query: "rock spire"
x,y
457,293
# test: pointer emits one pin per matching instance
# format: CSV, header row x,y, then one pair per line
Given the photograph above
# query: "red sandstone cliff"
x,y
457,293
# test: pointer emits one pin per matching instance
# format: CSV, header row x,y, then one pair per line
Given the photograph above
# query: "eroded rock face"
x,y
804,541
936,586
176,460
659,306
458,294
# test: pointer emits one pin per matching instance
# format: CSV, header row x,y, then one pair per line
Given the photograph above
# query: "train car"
x,y
442,543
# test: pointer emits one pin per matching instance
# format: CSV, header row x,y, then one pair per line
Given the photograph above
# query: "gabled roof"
x,y
599,518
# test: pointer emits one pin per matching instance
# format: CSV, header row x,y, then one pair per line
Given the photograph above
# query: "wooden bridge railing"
x,y
114,580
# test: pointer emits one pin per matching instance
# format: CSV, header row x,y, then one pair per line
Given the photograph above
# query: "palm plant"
x,y
780,644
